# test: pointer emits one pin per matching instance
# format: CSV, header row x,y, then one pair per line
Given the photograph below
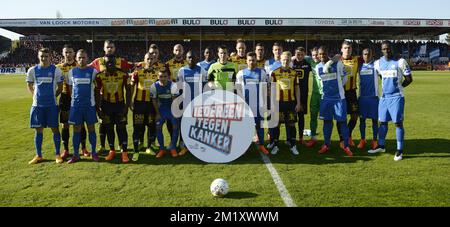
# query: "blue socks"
x,y
375,129
57,142
174,139
327,128
400,134
345,132
383,132
362,128
93,141
76,143
38,137
159,135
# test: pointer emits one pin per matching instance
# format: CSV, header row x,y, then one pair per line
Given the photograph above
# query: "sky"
x,y
434,9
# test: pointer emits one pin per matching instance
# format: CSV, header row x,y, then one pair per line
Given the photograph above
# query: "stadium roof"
x,y
219,28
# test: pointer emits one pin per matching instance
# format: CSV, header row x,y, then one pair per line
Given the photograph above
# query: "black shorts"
x,y
287,112
64,107
352,102
143,113
113,113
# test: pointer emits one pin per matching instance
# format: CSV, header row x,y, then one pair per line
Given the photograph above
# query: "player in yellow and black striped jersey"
x,y
352,64
143,111
99,64
177,62
113,86
288,97
240,59
174,65
65,101
158,66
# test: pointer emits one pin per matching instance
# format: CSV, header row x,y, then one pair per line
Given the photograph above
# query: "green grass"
x,y
421,179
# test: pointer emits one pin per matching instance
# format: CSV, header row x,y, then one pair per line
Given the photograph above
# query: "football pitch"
x,y
422,178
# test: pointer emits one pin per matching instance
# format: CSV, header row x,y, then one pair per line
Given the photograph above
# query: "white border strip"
x,y
284,193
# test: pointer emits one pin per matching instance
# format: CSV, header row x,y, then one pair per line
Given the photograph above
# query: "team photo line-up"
x,y
105,89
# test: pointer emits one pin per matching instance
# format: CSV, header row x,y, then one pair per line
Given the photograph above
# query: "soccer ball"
x,y
219,187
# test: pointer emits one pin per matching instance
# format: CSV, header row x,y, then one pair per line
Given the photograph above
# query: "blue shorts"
x,y
79,115
368,107
166,115
391,109
44,117
330,109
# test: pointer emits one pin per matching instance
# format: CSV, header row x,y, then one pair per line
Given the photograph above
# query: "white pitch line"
x,y
284,193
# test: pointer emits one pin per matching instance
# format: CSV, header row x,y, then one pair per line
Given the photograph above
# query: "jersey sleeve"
x,y
98,81
204,75
95,64
135,77
70,78
240,78
30,75
210,74
59,75
308,60
266,66
153,92
126,65
376,67
342,72
94,75
180,75
404,67
174,90
264,76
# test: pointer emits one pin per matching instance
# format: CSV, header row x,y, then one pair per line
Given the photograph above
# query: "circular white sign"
x,y
217,126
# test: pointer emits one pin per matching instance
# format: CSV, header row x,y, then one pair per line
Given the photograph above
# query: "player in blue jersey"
x,y
192,78
332,104
275,62
208,54
368,98
81,81
395,75
249,83
45,83
163,92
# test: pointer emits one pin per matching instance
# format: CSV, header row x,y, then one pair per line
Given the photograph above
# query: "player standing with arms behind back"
x,y
368,98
